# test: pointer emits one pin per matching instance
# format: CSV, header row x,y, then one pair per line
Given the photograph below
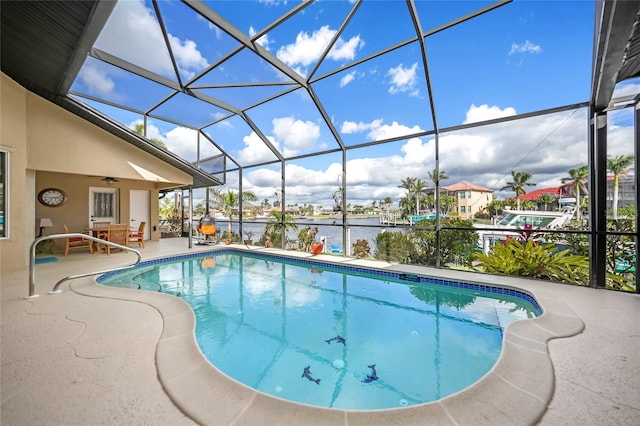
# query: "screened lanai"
x,y
361,118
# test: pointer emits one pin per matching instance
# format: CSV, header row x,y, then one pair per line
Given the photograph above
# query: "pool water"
x,y
319,335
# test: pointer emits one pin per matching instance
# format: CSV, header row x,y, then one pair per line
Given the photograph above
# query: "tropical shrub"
x,y
277,226
393,246
534,260
231,236
620,248
361,249
576,242
457,246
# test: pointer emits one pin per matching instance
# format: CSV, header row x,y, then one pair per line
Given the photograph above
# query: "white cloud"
x,y
296,135
183,142
255,150
342,50
546,146
485,112
386,131
263,40
307,49
187,55
349,127
404,80
526,47
132,28
347,78
96,80
626,89
378,131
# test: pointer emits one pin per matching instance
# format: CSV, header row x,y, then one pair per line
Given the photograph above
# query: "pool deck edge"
x,y
517,390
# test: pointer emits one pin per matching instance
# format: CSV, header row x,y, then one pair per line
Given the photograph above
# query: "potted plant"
x,y
307,240
249,240
227,236
316,247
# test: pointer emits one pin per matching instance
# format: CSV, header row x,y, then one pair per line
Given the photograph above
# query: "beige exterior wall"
x,y
50,147
473,202
13,138
75,212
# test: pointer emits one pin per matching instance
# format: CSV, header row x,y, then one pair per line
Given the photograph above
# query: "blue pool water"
x,y
370,339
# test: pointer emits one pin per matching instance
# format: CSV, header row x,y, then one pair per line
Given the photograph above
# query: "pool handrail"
x,y
32,260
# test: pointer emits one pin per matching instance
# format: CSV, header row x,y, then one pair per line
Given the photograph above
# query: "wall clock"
x,y
52,197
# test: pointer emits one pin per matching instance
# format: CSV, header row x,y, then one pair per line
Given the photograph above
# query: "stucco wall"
x,y
62,142
50,147
13,138
75,212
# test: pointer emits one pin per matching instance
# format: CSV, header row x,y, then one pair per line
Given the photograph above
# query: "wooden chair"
x,y
100,225
76,242
138,235
119,234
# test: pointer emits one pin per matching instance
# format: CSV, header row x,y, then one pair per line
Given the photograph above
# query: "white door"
x,y
139,210
103,205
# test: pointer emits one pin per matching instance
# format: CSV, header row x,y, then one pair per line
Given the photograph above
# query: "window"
x,y
462,208
462,195
4,194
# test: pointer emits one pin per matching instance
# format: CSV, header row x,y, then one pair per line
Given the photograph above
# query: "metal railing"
x,y
32,260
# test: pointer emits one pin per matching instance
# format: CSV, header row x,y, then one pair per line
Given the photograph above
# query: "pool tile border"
x,y
354,269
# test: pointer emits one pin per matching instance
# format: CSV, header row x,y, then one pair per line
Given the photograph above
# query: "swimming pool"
x,y
334,337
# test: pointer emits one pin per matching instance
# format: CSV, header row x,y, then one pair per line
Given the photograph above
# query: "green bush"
x,y
393,246
457,246
361,249
534,260
620,250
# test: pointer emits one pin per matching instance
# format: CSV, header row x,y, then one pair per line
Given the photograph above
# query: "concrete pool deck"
x,y
97,355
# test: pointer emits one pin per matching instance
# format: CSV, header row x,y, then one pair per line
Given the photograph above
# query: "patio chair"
x,y
73,243
138,235
119,234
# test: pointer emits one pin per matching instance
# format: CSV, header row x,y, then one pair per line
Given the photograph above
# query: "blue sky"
x,y
519,58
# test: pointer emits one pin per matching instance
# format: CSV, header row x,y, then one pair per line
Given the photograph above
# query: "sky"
x,y
519,58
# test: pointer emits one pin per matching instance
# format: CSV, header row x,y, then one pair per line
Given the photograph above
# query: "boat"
x,y
518,220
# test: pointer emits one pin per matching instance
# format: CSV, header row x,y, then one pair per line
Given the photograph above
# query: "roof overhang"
x,y
44,44
616,55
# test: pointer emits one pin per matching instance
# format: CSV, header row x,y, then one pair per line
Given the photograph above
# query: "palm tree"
x,y
618,166
277,228
414,187
387,202
546,199
494,207
579,178
421,185
230,200
520,181
438,176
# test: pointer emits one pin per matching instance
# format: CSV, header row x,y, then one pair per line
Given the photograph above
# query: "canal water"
x,y
329,229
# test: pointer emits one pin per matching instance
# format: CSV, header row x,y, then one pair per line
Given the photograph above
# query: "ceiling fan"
x,y
110,180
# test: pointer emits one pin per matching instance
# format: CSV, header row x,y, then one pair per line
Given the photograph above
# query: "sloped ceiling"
x,y
43,45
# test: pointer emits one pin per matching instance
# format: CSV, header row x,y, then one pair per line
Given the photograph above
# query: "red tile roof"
x,y
555,191
466,186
